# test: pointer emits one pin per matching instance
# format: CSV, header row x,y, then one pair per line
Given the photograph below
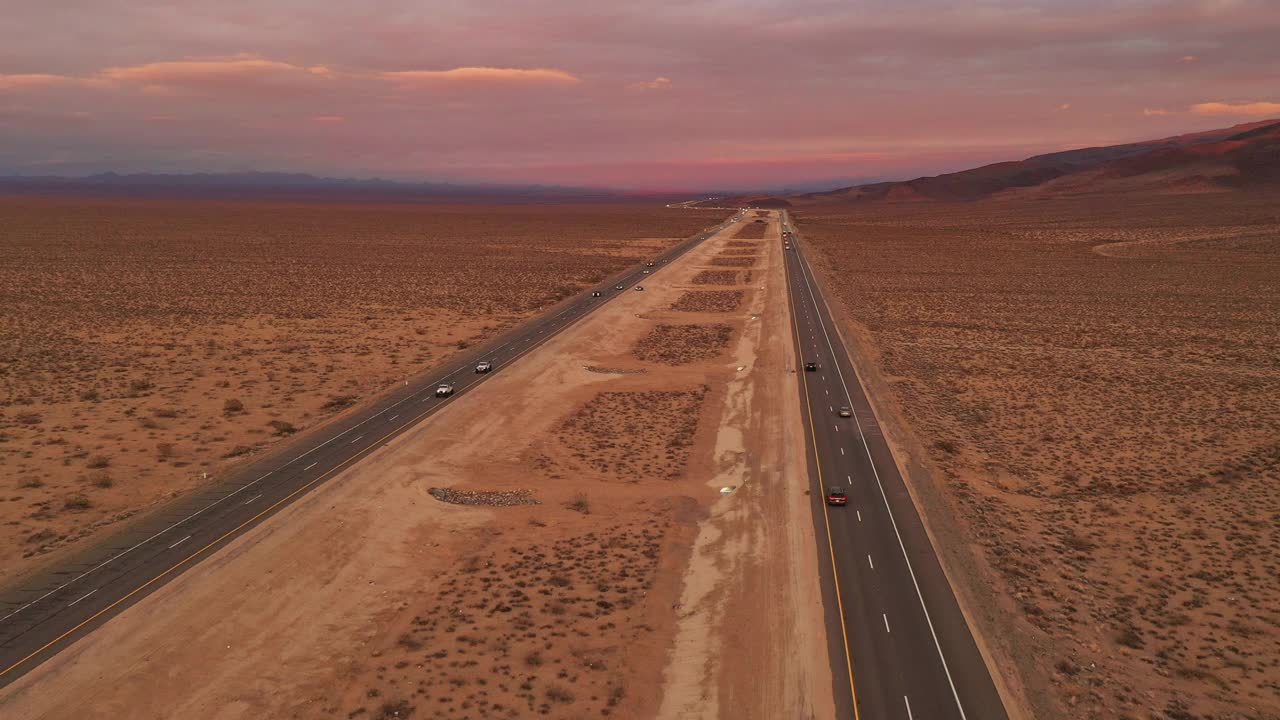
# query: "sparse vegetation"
x,y
716,277
1095,383
722,301
500,636
97,345
683,344
635,436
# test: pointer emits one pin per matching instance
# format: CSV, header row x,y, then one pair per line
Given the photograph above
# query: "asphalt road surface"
x,y
900,646
48,612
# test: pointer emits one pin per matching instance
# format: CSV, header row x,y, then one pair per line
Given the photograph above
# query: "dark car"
x,y
844,411
810,366
837,496
650,263
595,293
639,288
618,287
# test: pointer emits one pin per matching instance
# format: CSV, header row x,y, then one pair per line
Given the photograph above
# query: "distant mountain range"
x,y
1239,157
271,185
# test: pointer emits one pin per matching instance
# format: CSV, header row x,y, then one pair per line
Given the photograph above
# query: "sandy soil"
x,y
1081,395
146,345
634,588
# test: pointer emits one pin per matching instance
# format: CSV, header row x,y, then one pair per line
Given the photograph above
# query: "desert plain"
x,y
148,345
1082,392
615,525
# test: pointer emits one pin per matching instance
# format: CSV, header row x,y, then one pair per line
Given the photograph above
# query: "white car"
x,y
444,390
484,366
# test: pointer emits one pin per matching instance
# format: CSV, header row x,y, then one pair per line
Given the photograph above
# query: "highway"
x,y
900,646
47,612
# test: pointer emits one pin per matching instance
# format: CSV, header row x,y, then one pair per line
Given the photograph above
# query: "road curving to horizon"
x,y
42,614
899,642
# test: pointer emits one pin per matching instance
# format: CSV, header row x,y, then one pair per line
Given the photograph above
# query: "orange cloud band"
x,y
1249,108
484,73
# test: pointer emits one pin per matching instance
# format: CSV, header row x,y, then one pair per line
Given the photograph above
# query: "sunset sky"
x,y
653,95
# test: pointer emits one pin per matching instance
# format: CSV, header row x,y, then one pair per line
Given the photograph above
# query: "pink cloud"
x,y
1239,108
658,83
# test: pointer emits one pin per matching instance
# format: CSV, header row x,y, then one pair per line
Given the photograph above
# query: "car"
x,y
639,288
650,263
810,366
484,366
595,293
844,411
646,272
444,390
618,287
664,262
837,496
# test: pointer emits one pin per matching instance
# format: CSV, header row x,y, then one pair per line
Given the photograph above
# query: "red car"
x,y
836,496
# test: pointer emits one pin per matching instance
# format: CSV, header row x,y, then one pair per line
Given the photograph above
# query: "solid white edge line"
x,y
884,496
73,602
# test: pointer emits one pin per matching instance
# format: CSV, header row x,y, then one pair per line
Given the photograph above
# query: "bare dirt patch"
x,y
716,277
634,435
708,301
742,244
1092,383
736,252
146,345
683,344
742,262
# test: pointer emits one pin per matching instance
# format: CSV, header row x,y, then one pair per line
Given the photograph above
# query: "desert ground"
x,y
146,346
1083,395
629,536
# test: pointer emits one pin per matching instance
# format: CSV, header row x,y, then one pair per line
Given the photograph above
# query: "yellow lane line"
x,y
844,633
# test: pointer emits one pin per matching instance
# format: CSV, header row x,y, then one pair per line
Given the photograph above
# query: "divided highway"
x,y
52,610
900,645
